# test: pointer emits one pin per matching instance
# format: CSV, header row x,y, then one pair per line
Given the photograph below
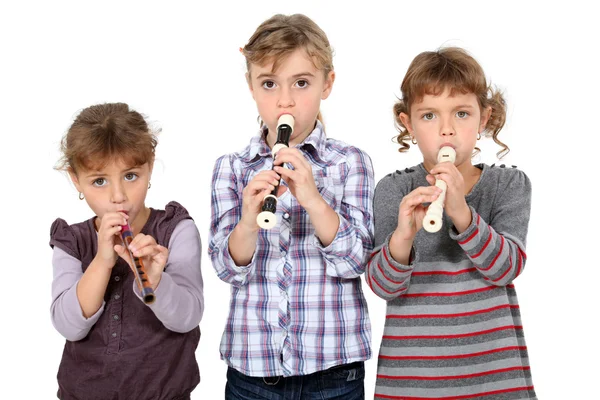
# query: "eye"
x,y
130,177
428,116
268,85
302,83
462,114
99,182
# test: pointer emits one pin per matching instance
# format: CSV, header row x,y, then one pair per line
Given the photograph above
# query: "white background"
x,y
179,64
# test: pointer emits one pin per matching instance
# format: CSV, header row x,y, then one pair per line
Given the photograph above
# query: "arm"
x,y
346,255
497,249
391,264
179,301
226,212
66,312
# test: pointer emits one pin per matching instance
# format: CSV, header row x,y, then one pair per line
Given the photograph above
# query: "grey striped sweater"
x,y
453,328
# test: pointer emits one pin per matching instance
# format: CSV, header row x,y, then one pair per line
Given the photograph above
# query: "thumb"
x,y
123,253
431,179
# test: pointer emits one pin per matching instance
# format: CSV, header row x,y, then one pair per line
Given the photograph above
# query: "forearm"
x,y
400,248
499,258
325,221
92,286
65,311
387,276
242,244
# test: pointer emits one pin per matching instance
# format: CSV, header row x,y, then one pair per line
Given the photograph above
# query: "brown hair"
x,y
104,132
279,36
431,72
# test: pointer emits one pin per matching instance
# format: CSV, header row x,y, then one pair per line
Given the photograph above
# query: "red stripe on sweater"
x,y
457,336
465,314
467,240
483,289
390,264
387,291
461,271
454,356
487,242
466,396
452,377
497,254
522,256
388,278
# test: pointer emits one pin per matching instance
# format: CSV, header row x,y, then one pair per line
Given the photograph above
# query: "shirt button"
x,y
284,253
117,297
117,278
116,317
114,334
286,215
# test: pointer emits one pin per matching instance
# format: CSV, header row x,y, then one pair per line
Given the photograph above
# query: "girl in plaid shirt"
x,y
298,326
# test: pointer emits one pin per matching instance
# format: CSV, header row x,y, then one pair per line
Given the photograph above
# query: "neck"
x,y
140,221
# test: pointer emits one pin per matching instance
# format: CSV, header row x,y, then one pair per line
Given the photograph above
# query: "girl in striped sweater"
x,y
453,328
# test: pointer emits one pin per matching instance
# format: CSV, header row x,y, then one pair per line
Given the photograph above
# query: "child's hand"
x,y
300,180
153,256
109,235
411,211
253,195
455,204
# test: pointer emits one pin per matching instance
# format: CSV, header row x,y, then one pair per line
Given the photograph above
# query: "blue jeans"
x,y
344,382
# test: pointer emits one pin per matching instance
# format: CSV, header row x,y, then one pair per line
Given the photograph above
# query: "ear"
x,y
74,179
249,82
485,117
406,122
328,85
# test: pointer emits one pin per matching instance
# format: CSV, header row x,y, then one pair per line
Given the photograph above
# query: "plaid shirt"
x,y
298,307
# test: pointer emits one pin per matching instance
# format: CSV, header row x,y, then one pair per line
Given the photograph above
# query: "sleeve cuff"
x,y
467,232
228,261
339,241
387,256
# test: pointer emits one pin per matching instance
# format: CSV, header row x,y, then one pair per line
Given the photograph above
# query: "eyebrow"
x,y
296,76
99,174
421,109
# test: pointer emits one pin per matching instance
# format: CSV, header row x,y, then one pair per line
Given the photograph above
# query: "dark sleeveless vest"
x,y
128,353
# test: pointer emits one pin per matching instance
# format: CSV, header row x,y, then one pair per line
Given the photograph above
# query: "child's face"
x,y
296,88
438,121
116,187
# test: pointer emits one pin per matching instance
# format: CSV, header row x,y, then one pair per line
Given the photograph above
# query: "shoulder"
x,y
400,181
344,150
165,221
339,152
173,212
507,177
66,237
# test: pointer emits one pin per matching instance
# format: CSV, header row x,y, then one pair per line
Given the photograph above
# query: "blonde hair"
x,y
279,36
104,132
452,68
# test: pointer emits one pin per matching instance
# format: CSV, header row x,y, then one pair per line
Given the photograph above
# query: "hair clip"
x,y
242,50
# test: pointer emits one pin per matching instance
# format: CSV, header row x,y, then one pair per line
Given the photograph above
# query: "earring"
x,y
149,185
413,140
81,196
478,135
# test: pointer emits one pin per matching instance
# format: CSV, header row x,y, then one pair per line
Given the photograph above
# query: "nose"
x,y
286,99
447,128
118,193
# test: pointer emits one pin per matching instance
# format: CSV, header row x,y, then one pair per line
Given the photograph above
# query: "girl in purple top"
x,y
117,346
